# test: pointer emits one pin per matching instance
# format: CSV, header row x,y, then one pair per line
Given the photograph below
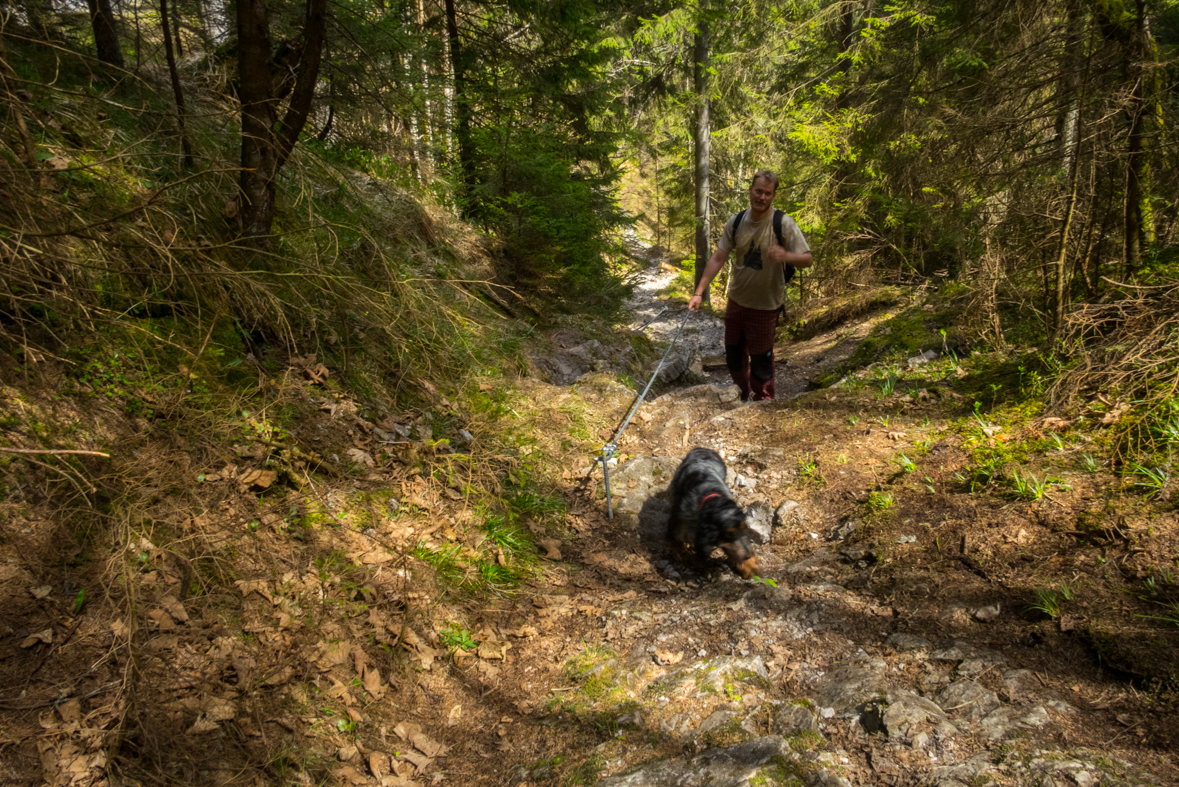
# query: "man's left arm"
x,y
799,259
779,255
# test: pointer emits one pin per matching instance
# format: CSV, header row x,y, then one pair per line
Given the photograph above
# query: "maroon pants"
x,y
749,349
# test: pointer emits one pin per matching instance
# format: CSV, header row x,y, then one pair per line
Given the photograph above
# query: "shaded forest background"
x,y
1022,151
220,222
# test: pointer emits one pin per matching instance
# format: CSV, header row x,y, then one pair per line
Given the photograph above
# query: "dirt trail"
x,y
245,631
877,650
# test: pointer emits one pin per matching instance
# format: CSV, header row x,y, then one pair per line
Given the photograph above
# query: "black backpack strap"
x,y
736,224
788,270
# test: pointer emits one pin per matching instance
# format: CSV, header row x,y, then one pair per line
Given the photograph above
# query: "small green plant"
x,y
1046,602
852,420
808,469
888,384
1028,487
884,421
1089,464
79,601
907,464
766,581
1153,479
456,637
1171,617
880,501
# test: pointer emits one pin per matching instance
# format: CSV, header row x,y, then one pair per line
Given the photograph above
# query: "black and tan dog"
x,y
704,514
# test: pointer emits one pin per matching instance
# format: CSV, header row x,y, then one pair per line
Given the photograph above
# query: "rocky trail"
x,y
906,629
869,652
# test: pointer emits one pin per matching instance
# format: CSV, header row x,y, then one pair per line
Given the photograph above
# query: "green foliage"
x,y
456,637
880,501
1028,487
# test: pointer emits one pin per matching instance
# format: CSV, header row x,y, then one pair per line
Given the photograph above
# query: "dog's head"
x,y
733,538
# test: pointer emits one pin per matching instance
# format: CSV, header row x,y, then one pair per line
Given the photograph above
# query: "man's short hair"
x,y
767,176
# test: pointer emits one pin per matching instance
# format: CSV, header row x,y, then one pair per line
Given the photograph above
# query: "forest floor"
x,y
916,623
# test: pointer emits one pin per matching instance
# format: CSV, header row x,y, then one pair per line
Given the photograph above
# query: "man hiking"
x,y
769,246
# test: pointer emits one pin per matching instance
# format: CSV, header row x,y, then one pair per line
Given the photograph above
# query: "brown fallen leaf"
x,y
493,649
261,479
360,457
666,657
230,209
372,682
897,435
552,548
428,746
41,592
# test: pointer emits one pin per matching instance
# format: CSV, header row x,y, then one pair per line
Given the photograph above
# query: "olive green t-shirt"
x,y
757,284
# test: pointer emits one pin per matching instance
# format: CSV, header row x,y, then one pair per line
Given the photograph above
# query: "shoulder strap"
x,y
736,224
778,226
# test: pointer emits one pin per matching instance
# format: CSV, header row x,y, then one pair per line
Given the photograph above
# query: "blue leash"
x,y
607,452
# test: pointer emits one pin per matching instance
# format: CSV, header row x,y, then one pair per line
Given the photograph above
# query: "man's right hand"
x,y
694,302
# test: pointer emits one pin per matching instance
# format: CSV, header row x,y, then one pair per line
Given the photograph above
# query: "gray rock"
x,y
848,687
715,721
844,530
793,719
968,699
975,770
631,721
907,642
789,514
987,614
759,518
674,367
907,710
1019,683
727,394
732,766
640,478
826,779
1009,718
722,667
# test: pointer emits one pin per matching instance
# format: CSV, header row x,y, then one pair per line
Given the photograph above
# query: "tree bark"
x,y
1138,224
462,105
177,90
700,151
265,145
106,36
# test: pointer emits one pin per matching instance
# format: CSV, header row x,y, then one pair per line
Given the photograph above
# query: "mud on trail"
x,y
332,624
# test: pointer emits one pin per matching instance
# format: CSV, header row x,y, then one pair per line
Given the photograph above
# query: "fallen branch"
x,y
55,452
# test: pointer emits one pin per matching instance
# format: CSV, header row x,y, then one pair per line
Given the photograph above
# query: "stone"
x,y
731,766
1009,718
759,519
789,514
967,699
848,687
843,531
630,721
733,668
987,614
715,721
1019,683
794,719
907,710
907,642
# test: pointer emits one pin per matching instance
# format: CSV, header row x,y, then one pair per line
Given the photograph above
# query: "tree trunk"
x,y
1138,219
462,105
106,36
265,146
177,90
259,157
700,149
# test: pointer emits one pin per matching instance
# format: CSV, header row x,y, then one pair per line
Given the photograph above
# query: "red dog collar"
x,y
705,500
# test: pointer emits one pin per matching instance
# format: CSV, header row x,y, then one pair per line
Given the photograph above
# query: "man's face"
x,y
761,195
